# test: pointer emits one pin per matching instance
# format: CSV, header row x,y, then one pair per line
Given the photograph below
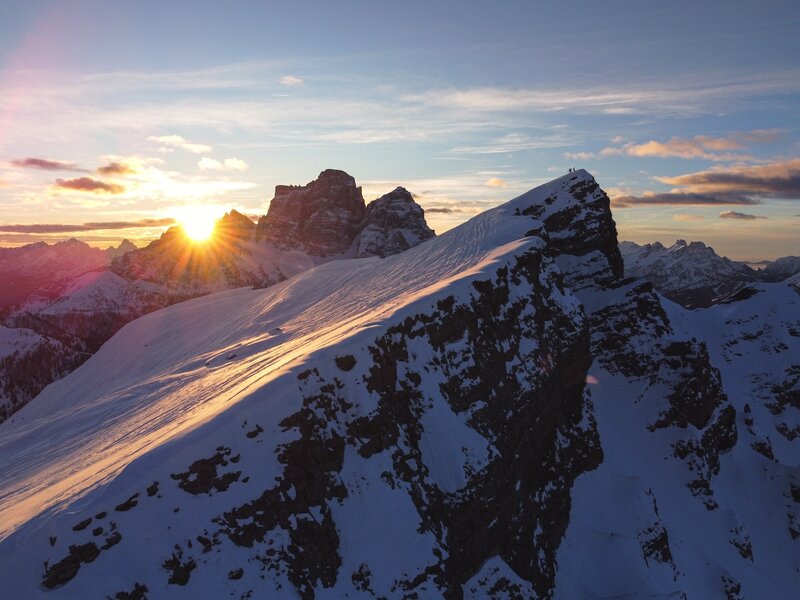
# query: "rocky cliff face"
x,y
392,224
321,217
328,217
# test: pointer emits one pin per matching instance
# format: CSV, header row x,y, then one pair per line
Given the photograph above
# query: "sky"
x,y
118,117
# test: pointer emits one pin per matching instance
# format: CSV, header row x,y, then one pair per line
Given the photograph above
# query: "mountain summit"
x,y
496,413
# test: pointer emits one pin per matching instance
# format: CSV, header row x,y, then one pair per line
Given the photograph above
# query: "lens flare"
x,y
198,223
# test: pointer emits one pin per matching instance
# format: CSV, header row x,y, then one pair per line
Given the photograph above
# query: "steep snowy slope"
x,y
496,413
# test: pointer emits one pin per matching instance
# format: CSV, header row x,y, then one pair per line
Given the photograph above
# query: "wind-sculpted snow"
x,y
494,414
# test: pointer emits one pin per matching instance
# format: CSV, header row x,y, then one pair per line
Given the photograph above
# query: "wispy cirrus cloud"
x,y
169,142
515,142
92,226
46,164
684,97
732,214
90,185
687,218
496,182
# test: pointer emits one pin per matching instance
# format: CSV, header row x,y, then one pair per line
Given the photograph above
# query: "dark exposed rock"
x,y
82,525
254,432
346,363
139,592
180,571
202,476
128,504
321,217
392,224
328,217
67,568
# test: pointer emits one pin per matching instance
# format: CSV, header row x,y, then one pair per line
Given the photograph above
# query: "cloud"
x,y
579,155
688,218
779,179
292,81
439,209
177,141
495,182
229,164
88,184
116,168
741,185
515,142
96,226
732,214
46,164
680,198
718,149
676,97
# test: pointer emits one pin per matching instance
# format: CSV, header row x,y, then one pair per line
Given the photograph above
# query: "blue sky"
x,y
125,113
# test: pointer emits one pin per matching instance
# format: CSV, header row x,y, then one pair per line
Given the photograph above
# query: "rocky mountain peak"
x,y
124,247
235,225
321,217
576,215
392,224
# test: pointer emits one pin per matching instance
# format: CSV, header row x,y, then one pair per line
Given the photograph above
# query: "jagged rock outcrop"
x,y
321,217
328,217
392,224
124,247
234,226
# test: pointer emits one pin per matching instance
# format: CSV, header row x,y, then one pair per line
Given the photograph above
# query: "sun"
x,y
198,223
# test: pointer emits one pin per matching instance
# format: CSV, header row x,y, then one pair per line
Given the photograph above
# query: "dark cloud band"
x,y
45,164
88,184
98,226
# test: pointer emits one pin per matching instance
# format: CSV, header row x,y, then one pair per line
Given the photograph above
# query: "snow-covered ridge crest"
x,y
199,371
480,416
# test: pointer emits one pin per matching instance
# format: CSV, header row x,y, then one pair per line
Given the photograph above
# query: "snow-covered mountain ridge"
x,y
496,413
693,275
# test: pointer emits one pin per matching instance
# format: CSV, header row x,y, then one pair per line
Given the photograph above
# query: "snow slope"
x,y
496,413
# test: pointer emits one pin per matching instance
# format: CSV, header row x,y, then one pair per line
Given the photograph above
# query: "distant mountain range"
x,y
693,275
501,411
67,299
